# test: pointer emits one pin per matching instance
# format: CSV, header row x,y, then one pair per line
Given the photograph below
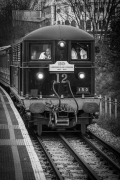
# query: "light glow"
x,y
81,75
62,44
40,75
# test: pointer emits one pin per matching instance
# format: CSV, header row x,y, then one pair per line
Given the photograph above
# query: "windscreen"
x,y
40,51
80,51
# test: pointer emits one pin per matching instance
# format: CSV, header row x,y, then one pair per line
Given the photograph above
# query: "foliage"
x,y
108,62
115,40
107,73
110,124
104,70
114,58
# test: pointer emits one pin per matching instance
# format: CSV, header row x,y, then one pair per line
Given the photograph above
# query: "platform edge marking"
x,y
37,169
16,158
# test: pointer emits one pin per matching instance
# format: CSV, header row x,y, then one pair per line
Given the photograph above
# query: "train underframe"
x,y
58,123
54,116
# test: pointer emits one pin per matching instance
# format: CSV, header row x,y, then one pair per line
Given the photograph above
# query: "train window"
x,y
79,51
40,51
16,49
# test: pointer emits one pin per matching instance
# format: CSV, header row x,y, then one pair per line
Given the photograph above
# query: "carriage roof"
x,y
59,32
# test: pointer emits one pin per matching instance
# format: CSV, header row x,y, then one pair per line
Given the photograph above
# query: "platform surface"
x,y
18,160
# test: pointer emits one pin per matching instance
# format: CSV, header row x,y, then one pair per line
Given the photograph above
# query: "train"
x,y
50,75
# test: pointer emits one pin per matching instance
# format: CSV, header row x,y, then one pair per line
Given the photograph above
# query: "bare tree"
x,y
76,11
93,14
102,12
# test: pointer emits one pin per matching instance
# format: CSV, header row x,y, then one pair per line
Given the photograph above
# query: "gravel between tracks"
x,y
105,135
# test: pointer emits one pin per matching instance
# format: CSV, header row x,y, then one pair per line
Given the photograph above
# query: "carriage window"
x,y
40,51
79,51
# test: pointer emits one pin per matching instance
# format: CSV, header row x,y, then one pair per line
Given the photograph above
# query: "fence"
x,y
109,107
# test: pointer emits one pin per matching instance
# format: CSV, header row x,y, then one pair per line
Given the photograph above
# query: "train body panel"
x,y
51,74
5,65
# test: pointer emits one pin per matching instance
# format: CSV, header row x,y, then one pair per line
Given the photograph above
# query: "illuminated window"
x,y
79,51
40,51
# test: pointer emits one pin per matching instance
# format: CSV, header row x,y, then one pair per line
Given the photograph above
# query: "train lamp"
x,y
62,44
40,75
81,75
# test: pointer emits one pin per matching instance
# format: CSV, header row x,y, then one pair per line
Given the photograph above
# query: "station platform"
x,y
18,160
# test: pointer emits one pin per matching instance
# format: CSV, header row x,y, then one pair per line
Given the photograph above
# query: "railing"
x,y
109,107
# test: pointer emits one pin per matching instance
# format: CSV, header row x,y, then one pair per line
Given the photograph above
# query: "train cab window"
x,y
79,51
40,52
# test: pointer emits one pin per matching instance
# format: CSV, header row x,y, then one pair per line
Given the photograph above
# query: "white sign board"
x,y
61,66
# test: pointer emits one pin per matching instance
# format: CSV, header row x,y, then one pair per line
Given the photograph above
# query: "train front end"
x,y
59,90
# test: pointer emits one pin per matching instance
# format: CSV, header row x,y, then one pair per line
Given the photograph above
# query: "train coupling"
x,y
58,121
62,122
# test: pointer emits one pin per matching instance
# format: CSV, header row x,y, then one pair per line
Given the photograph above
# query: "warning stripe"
x,y
37,168
16,158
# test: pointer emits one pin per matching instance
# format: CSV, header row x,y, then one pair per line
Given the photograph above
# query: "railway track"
x,y
63,164
110,151
102,165
93,137
70,156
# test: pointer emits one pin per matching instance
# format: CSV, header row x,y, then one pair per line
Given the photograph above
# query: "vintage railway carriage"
x,y
5,65
57,91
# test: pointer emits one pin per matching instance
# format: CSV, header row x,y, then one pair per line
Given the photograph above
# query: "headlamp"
x,y
40,75
61,44
81,75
